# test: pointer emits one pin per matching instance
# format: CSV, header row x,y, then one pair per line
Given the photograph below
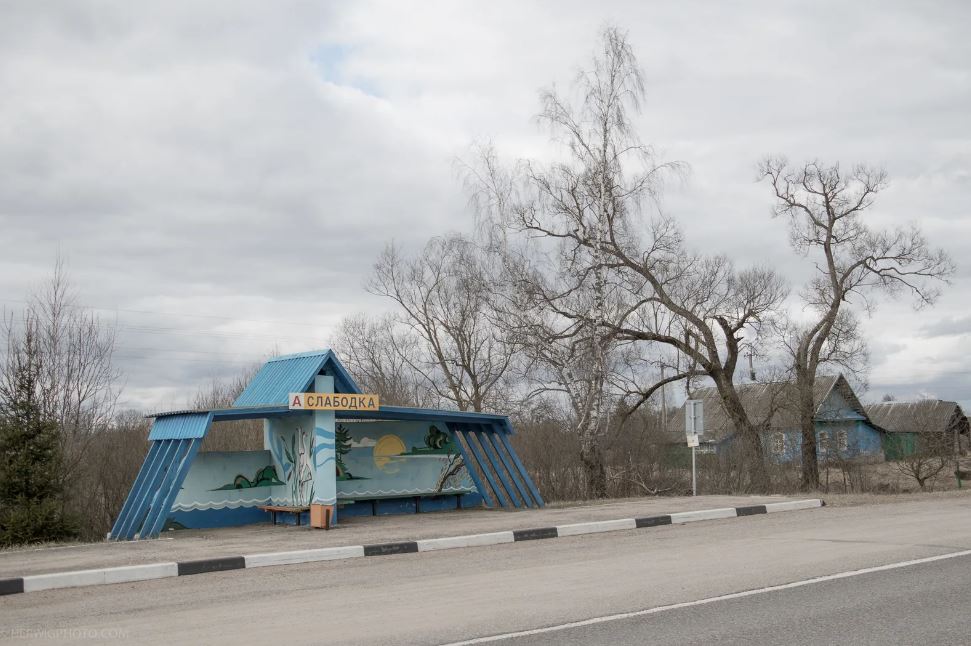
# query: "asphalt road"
x,y
922,603
450,596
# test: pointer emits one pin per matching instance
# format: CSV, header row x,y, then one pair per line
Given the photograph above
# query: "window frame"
x,y
842,440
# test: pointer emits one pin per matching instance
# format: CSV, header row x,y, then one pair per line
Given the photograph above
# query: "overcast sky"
x,y
220,176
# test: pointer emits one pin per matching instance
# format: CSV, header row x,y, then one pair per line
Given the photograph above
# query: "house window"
x,y
823,440
778,443
843,440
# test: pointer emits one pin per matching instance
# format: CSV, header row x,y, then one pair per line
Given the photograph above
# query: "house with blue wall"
x,y
328,449
843,428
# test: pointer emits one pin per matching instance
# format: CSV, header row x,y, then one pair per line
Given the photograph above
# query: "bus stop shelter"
x,y
328,449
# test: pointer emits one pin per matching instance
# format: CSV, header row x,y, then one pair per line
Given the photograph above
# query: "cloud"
x,y
949,326
233,168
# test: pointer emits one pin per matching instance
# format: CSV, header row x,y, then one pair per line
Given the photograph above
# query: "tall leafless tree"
x,y
78,380
826,208
568,360
381,356
444,298
592,206
235,435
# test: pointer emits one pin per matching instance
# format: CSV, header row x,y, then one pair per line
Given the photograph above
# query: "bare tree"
x,y
568,360
381,356
78,380
112,463
76,383
236,435
932,454
444,299
645,285
826,209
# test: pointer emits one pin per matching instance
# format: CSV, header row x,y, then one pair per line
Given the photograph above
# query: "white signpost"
x,y
694,426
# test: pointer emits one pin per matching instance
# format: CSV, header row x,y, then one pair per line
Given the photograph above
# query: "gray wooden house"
x,y
907,424
843,427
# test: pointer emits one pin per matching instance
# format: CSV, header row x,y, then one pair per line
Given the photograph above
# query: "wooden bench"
x,y
275,509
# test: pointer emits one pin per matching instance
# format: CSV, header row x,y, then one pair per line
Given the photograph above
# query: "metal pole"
x,y
694,478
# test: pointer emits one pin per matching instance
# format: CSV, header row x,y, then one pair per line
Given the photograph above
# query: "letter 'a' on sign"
x,y
332,401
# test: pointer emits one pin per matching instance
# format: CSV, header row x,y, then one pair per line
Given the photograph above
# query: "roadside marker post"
x,y
694,425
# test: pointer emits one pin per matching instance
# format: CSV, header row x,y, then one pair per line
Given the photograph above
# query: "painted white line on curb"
x,y
793,505
141,572
80,578
701,602
303,556
471,540
33,583
576,529
704,514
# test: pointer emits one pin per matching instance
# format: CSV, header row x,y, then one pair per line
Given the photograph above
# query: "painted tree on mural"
x,y
343,447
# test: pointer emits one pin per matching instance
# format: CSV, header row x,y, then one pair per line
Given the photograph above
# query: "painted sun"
x,y
385,449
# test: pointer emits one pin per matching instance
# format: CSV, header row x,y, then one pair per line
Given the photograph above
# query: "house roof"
x,y
772,406
294,373
928,415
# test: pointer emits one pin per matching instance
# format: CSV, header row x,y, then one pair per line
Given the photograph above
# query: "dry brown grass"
x,y
857,499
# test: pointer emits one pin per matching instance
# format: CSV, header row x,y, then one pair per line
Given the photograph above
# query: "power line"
x,y
145,329
174,314
237,362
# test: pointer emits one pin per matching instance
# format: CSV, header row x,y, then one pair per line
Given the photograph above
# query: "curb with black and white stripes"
x,y
131,573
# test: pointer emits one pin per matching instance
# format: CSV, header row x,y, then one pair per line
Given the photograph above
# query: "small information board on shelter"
x,y
333,401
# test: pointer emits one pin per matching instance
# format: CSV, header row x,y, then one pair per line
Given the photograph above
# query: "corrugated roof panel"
x,y
292,374
181,427
773,404
928,415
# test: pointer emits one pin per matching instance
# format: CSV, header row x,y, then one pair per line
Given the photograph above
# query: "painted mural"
x,y
229,480
291,443
372,459
324,459
265,477
398,459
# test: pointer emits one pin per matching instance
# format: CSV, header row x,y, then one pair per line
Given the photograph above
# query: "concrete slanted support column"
x,y
323,507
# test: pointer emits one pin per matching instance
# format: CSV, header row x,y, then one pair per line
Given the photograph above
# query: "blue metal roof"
x,y
294,373
183,426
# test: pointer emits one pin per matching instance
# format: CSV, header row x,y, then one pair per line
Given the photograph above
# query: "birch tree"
x,y
594,207
569,359
828,211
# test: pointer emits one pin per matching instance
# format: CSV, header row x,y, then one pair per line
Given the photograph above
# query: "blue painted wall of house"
x,y
835,416
862,441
